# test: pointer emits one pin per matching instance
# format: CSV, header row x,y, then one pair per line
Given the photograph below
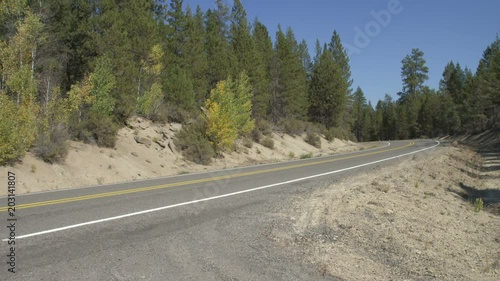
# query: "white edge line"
x,y
212,198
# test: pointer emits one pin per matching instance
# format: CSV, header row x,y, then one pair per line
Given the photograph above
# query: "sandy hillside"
x,y
405,221
145,150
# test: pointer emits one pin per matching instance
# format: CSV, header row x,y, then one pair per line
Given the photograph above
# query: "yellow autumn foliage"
x,y
228,112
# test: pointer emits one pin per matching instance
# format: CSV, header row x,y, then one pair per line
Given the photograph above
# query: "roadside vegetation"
x,y
78,70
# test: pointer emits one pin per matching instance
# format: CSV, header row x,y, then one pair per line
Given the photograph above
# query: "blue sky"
x,y
444,30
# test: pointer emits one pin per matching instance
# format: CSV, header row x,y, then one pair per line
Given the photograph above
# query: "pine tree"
x,y
428,114
359,114
327,92
241,40
217,46
318,51
448,120
176,33
262,74
71,42
487,98
372,123
196,58
378,122
391,123
179,90
305,58
341,58
414,74
453,85
290,93
125,34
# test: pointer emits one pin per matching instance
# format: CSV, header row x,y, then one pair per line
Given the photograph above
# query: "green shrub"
x,y
51,146
294,127
264,127
478,204
306,155
268,142
329,134
248,143
256,135
194,144
174,114
291,155
338,133
100,130
151,104
313,139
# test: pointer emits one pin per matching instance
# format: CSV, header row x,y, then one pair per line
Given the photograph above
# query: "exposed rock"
x,y
164,132
161,130
135,154
129,123
143,125
171,145
161,143
175,127
147,142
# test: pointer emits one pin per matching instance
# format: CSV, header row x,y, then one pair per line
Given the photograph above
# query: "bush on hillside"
x,y
294,127
99,130
50,146
264,127
312,138
194,144
268,142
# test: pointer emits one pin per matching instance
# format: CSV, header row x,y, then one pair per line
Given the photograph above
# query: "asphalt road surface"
x,y
206,226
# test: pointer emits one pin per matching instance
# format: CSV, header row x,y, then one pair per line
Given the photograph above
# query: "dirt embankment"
x,y
145,150
414,220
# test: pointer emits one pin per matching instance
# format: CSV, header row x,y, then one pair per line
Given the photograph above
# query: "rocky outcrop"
x,y
145,141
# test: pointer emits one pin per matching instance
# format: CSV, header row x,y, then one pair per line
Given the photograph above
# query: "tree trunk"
x,y
33,54
47,94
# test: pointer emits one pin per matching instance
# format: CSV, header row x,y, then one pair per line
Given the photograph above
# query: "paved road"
x,y
207,226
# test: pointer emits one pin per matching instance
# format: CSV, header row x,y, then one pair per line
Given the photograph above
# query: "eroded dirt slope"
x,y
146,150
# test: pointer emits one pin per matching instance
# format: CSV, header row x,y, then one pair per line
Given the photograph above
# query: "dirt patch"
x,y
411,220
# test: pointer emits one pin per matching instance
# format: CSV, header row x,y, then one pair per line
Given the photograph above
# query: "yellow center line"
x,y
190,182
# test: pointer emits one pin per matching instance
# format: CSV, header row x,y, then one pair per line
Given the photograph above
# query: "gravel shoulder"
x,y
412,220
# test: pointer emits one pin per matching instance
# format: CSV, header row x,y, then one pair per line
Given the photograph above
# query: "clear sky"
x,y
444,30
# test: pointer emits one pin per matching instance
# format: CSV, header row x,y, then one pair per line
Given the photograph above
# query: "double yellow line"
x,y
184,183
